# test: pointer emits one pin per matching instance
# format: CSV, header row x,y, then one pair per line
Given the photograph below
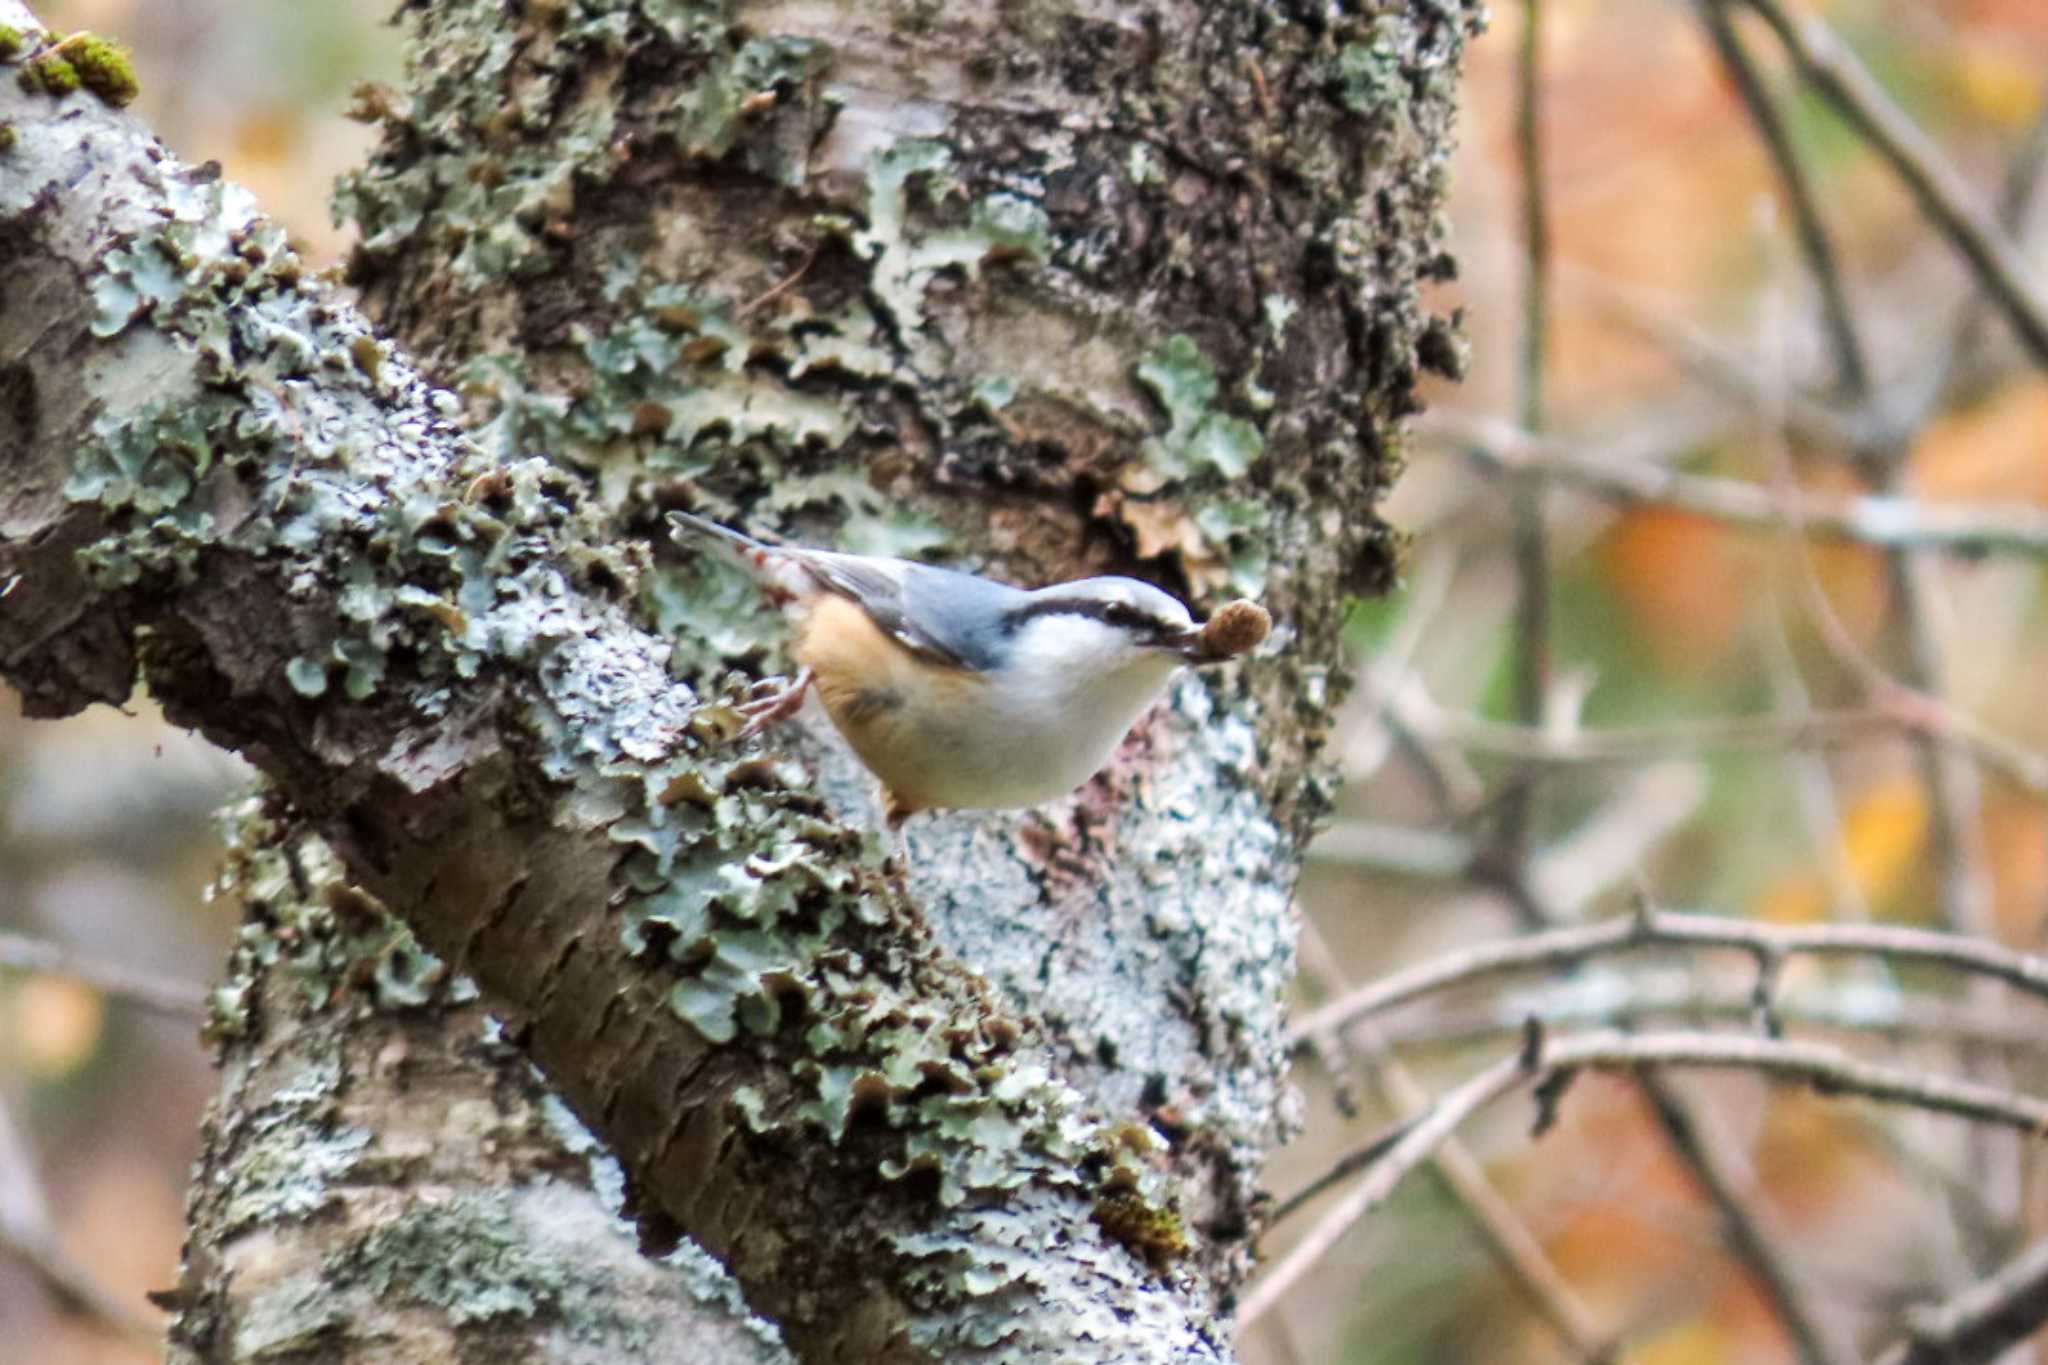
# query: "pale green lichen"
x,y
468,1258
306,922
1198,437
1369,75
291,1156
904,259
488,189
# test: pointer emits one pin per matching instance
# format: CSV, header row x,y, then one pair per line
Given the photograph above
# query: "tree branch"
x,y
225,474
1983,1322
1665,929
1950,204
1390,1161
1890,520
177,999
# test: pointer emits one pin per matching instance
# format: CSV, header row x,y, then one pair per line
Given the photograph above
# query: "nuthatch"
x,y
958,691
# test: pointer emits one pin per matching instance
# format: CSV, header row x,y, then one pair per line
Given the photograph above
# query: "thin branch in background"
x,y
1645,818
1886,520
1817,1064
1674,997
26,1236
1953,363
1642,811
1513,1245
1751,1232
1668,929
1562,879
1530,534
1812,782
1983,1322
1899,710
1944,197
1720,367
1385,669
1851,362
161,994
1951,781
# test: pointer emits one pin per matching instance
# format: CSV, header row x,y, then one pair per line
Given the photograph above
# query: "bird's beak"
x,y
1192,646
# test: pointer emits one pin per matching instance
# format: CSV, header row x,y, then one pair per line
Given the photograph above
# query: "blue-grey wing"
x,y
952,618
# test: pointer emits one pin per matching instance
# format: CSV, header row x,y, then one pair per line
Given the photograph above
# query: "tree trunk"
x,y
1033,290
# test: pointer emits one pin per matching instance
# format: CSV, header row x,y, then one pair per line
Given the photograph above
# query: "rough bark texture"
x,y
1045,290
385,1178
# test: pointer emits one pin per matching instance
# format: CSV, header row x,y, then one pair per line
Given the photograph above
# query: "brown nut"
x,y
1237,628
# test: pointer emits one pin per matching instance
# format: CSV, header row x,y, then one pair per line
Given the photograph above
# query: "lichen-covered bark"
x,y
1046,288
385,1178
1042,288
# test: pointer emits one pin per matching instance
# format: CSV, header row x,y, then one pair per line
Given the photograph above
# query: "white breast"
x,y
1053,719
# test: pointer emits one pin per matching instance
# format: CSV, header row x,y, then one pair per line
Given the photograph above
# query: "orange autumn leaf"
x,y
1884,834
1997,450
53,1024
1695,1341
2016,841
1683,580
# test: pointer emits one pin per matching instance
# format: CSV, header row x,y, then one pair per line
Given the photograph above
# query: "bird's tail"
x,y
683,524
779,570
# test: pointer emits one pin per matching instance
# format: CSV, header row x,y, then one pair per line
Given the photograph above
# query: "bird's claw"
x,y
775,702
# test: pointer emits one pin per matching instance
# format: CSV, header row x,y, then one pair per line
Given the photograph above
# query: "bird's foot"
x,y
776,704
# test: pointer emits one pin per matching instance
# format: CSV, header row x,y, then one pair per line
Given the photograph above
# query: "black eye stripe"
x,y
1122,615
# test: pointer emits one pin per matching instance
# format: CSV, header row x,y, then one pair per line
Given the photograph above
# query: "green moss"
x,y
102,66
50,74
1156,1234
12,40
7,137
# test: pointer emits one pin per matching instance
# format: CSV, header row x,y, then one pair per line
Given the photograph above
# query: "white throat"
x,y
1077,686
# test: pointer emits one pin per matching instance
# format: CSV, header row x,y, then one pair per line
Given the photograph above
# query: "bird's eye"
x,y
1130,618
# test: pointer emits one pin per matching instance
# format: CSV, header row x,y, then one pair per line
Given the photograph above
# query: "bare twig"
x,y
1817,1064
1411,850
1600,852
1531,548
2015,203
1663,928
1666,998
27,1236
1887,520
1723,368
1850,353
1512,1244
1943,196
1750,1230
1983,1322
164,995
781,286
1902,711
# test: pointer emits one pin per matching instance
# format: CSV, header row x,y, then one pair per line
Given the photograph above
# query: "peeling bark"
x,y
1047,289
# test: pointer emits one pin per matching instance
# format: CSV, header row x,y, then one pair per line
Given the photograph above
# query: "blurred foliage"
x,y
1667,225
106,840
